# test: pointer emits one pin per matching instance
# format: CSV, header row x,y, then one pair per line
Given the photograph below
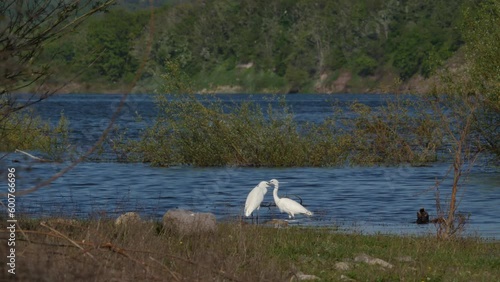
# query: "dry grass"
x,y
97,250
100,251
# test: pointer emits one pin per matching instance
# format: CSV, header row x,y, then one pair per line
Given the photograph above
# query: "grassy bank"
x,y
97,250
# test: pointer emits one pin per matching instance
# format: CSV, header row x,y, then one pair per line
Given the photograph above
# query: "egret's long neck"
x,y
264,190
275,193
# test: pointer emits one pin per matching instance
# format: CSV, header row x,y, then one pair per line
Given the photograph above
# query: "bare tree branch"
x,y
106,131
26,27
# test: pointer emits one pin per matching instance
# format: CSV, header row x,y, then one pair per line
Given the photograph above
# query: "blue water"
x,y
362,199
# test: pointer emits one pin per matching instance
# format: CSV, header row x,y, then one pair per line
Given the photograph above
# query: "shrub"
x,y
24,131
205,131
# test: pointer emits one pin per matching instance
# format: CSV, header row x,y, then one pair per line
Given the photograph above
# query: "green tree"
x,y
470,115
365,65
112,37
482,77
26,28
296,78
483,48
210,39
410,52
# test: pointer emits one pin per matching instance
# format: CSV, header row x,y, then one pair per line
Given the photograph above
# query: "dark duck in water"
x,y
422,216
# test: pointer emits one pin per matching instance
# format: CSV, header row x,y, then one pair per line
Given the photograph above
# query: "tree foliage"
x,y
112,38
26,27
469,112
483,48
288,39
482,73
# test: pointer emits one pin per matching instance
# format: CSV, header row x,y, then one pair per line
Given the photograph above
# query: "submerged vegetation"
x,y
204,131
98,250
25,131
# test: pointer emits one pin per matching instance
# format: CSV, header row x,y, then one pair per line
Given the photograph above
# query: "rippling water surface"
x,y
364,199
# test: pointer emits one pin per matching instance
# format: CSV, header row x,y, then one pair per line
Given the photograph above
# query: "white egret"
x,y
255,197
287,205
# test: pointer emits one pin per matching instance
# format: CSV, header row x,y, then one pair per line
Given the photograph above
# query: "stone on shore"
x,y
187,222
372,261
128,218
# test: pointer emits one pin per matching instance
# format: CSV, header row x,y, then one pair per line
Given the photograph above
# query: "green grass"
x,y
248,80
236,252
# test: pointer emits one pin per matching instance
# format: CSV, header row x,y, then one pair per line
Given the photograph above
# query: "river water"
x,y
360,199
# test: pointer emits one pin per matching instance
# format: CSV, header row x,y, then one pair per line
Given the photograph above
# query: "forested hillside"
x,y
262,46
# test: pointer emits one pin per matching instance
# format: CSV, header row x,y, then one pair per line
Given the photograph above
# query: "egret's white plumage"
x,y
255,197
287,205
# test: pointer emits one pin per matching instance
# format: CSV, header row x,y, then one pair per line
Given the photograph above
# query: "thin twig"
x,y
123,252
106,131
219,272
174,274
69,240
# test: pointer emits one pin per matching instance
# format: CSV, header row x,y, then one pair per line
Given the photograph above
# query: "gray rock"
x,y
342,266
277,223
301,276
128,218
346,278
372,261
187,222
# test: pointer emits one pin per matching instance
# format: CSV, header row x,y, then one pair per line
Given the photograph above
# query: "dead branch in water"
x,y
31,156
